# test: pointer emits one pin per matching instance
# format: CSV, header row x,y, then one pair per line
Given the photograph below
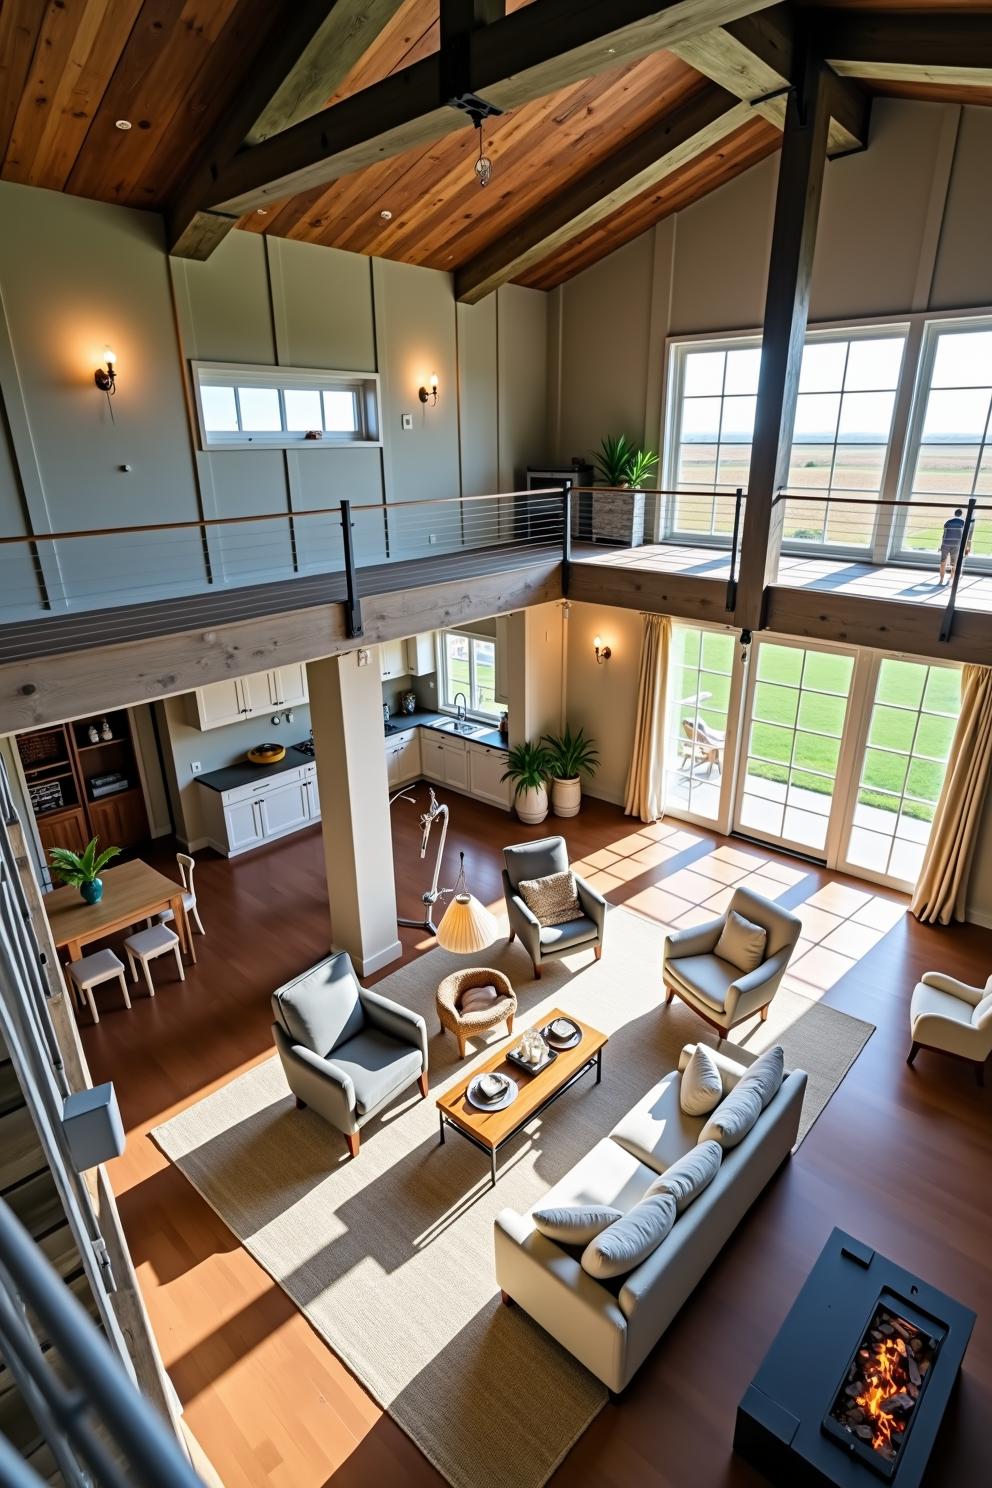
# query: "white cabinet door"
x,y
392,660
455,765
432,756
410,762
243,823
420,657
288,686
257,693
284,809
220,703
313,797
486,766
394,765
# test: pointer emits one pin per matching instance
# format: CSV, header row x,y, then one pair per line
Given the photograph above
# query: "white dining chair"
x,y
146,945
186,866
91,971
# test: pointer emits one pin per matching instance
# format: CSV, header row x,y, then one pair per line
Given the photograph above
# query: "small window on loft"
x,y
253,407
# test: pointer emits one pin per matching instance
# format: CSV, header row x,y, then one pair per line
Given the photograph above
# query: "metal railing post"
x,y
566,539
353,607
947,620
731,603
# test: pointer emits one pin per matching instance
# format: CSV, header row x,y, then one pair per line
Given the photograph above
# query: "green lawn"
x,y
818,719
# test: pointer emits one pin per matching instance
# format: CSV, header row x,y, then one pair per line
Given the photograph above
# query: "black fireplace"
x,y
853,1389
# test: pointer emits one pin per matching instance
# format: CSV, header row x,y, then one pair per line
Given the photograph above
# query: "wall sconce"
x,y
106,377
603,653
429,394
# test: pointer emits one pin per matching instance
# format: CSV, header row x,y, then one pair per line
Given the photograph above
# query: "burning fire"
x,y
885,1375
879,1395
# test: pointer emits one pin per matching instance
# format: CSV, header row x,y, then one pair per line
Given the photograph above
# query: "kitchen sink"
x,y
466,729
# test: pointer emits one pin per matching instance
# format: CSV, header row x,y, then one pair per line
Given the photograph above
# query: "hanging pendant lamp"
x,y
466,925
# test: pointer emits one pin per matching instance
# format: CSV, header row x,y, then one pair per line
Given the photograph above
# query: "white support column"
x,y
346,713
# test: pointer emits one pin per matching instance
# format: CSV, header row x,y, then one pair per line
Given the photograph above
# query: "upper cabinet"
x,y
392,660
420,657
226,702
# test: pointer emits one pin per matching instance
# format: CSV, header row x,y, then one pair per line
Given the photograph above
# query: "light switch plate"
x,y
407,420
195,767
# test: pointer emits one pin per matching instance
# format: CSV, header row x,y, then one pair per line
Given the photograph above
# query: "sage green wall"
x,y
75,275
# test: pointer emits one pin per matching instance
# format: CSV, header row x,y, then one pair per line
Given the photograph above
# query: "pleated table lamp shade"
x,y
466,926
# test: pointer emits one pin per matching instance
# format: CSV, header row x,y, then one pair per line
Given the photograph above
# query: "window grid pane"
x,y
699,682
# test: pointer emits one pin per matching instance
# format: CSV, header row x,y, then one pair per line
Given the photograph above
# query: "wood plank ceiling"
x,y
70,69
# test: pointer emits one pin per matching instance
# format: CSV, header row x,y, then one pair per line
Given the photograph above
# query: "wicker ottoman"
x,y
467,1025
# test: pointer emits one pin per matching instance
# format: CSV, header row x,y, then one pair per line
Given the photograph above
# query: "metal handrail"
x,y
98,1388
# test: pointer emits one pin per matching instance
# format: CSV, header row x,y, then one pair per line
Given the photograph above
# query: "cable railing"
x,y
98,569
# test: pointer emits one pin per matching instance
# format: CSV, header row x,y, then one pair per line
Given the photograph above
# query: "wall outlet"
x,y
406,421
195,767
363,656
276,720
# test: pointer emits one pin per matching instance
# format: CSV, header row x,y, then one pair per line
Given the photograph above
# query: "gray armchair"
x,y
545,942
712,987
346,1051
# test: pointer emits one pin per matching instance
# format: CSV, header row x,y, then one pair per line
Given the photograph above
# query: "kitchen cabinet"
x,y
249,815
392,660
403,757
220,703
120,819
63,829
485,767
420,655
445,760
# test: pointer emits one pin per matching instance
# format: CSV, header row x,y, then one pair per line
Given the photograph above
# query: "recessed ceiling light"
x,y
386,215
122,124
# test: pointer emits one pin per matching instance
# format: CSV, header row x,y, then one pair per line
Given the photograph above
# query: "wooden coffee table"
x,y
491,1130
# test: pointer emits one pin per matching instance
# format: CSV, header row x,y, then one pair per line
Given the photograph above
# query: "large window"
x,y
950,454
468,671
913,716
713,420
249,407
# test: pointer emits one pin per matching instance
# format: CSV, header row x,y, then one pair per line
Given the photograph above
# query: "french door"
x,y
796,708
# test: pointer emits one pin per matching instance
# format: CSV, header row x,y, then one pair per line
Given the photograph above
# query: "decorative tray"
x,y
532,1069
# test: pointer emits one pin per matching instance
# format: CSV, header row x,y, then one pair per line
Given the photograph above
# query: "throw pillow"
x,y
701,1088
686,1178
631,1239
741,942
766,1074
734,1116
553,899
474,999
575,1224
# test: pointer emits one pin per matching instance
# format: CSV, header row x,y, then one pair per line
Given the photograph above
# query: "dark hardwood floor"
x,y
901,1157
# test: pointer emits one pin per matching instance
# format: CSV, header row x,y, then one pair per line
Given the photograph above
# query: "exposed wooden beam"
x,y
753,58
886,624
907,47
683,595
309,56
797,208
459,17
689,131
544,46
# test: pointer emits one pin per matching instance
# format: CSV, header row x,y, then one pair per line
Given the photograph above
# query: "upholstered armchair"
x,y
346,1051
545,942
952,1018
712,987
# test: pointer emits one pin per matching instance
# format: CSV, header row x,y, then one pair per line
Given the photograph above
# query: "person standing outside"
x,y
950,542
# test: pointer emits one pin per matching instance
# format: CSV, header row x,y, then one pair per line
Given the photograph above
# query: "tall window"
x,y
847,393
913,717
468,667
714,401
699,686
950,455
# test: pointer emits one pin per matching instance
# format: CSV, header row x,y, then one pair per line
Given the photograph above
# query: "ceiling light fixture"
x,y
477,109
261,211
386,215
483,166
124,124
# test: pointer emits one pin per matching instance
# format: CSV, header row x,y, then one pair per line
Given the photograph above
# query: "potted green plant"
x,y
612,460
570,756
618,514
528,768
82,870
642,465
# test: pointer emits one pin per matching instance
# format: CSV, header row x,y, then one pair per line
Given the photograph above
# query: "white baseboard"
x,y
981,917
196,844
381,958
603,795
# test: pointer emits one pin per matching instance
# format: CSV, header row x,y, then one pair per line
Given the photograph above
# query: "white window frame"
x,y
866,328
364,386
728,776
445,704
930,332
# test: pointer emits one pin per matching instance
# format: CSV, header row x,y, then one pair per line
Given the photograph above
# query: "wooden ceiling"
x,y
70,69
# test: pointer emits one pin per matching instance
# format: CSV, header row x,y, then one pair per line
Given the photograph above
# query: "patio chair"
x,y
702,745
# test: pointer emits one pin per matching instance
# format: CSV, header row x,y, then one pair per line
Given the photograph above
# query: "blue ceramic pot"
x,y
92,892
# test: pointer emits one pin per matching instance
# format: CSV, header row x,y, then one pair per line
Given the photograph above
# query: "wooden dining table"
x,y
132,892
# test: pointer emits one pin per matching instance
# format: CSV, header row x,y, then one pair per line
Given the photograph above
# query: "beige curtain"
x,y
645,778
940,893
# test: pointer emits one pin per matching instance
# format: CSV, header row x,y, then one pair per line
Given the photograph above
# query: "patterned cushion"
x,y
741,942
552,899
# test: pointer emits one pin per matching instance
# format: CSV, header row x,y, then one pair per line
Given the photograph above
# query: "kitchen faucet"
x,y
460,707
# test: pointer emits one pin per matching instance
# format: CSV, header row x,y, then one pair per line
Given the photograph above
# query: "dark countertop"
x,y
243,773
230,777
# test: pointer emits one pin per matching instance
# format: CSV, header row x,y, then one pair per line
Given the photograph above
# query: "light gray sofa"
x,y
722,994
612,1327
346,1051
545,942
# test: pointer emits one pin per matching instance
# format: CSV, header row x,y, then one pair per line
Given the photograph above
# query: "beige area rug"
x,y
390,1257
